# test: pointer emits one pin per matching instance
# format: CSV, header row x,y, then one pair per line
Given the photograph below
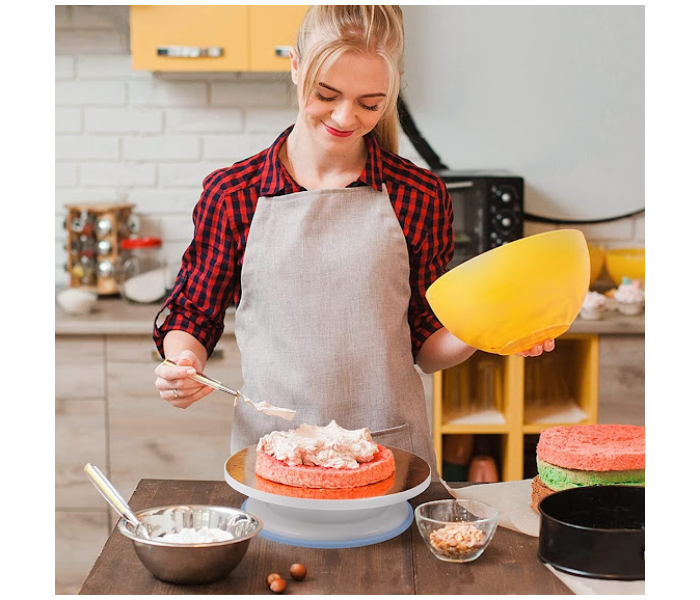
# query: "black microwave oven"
x,y
488,210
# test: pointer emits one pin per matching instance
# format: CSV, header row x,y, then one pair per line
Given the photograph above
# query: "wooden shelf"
x,y
528,395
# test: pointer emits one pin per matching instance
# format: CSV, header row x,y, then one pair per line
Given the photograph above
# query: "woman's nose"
x,y
344,114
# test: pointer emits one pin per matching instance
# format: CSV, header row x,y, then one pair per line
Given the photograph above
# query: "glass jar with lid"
x,y
141,274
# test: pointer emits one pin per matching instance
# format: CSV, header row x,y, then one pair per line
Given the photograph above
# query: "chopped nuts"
x,y
455,540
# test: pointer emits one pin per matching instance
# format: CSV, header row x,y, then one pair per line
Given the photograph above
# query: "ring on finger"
x,y
177,396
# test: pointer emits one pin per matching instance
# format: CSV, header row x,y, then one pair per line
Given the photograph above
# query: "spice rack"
x,y
511,400
94,232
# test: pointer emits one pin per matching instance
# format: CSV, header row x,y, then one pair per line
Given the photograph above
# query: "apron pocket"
x,y
398,437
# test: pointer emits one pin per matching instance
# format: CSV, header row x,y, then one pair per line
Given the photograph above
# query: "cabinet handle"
x,y
282,51
190,52
218,354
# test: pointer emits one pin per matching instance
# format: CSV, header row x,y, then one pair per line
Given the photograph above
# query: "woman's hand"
x,y
174,383
538,349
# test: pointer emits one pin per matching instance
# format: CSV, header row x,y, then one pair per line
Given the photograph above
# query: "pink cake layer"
x,y
312,476
365,491
599,447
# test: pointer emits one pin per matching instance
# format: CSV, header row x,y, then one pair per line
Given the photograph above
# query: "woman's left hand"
x,y
538,349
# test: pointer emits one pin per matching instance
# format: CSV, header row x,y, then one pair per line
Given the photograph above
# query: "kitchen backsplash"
x,y
150,139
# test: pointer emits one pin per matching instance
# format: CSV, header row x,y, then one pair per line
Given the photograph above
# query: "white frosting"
x,y
189,535
629,293
329,446
594,301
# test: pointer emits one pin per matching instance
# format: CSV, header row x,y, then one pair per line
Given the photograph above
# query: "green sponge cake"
x,y
559,478
584,455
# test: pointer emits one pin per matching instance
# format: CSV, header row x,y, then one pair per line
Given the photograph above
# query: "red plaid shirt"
x,y
209,280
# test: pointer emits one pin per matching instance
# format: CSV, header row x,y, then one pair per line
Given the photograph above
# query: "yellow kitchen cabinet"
x,y
504,402
213,37
273,29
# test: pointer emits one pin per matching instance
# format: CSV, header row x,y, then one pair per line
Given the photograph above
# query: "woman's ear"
x,y
294,63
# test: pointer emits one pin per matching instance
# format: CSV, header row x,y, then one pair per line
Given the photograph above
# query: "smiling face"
x,y
347,102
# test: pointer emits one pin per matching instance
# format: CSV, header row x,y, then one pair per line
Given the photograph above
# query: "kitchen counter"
x,y
116,316
402,565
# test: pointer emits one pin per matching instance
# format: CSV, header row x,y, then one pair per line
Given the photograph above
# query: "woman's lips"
x,y
337,133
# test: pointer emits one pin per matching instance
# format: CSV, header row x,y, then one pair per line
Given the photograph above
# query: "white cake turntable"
x,y
330,518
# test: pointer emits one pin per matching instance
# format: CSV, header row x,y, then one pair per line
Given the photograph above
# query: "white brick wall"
x,y
150,139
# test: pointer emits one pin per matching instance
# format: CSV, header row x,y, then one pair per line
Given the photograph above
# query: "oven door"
x,y
470,219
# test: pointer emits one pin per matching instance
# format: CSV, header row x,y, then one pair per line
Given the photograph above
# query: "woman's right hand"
x,y
174,383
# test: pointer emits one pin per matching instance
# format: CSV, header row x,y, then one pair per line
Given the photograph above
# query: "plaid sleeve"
x,y
204,287
432,251
424,209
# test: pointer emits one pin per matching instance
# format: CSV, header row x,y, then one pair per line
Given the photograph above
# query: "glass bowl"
x,y
456,531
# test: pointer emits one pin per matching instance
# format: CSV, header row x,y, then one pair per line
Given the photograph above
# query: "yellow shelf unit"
x,y
511,397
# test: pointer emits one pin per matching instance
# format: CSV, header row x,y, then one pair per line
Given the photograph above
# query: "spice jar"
x,y
140,273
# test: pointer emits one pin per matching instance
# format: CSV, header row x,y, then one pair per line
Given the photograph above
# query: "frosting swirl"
x,y
329,446
629,292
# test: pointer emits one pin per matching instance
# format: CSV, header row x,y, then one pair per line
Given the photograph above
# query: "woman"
x,y
341,239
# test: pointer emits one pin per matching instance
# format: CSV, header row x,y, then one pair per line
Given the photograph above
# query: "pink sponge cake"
x,y
593,447
583,455
323,457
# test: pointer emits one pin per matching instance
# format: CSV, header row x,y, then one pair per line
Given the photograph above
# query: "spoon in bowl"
x,y
109,492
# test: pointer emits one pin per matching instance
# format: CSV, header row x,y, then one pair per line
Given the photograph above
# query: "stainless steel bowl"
x,y
192,563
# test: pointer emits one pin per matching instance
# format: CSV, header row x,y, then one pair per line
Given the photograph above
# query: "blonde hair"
x,y
328,32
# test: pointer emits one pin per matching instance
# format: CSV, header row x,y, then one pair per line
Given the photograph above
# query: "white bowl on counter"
x,y
76,301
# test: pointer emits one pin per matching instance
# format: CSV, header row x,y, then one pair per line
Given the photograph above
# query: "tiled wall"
x,y
150,139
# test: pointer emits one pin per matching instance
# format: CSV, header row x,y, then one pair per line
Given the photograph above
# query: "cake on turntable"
x,y
330,518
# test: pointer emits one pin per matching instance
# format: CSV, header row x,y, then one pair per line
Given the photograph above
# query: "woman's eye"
x,y
323,98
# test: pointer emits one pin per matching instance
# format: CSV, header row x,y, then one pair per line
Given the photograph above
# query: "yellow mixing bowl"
x,y
625,262
597,255
510,298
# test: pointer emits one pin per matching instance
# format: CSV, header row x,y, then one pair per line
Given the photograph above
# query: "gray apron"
x,y
322,321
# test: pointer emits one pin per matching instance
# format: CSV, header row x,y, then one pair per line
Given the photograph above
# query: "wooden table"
x,y
402,565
